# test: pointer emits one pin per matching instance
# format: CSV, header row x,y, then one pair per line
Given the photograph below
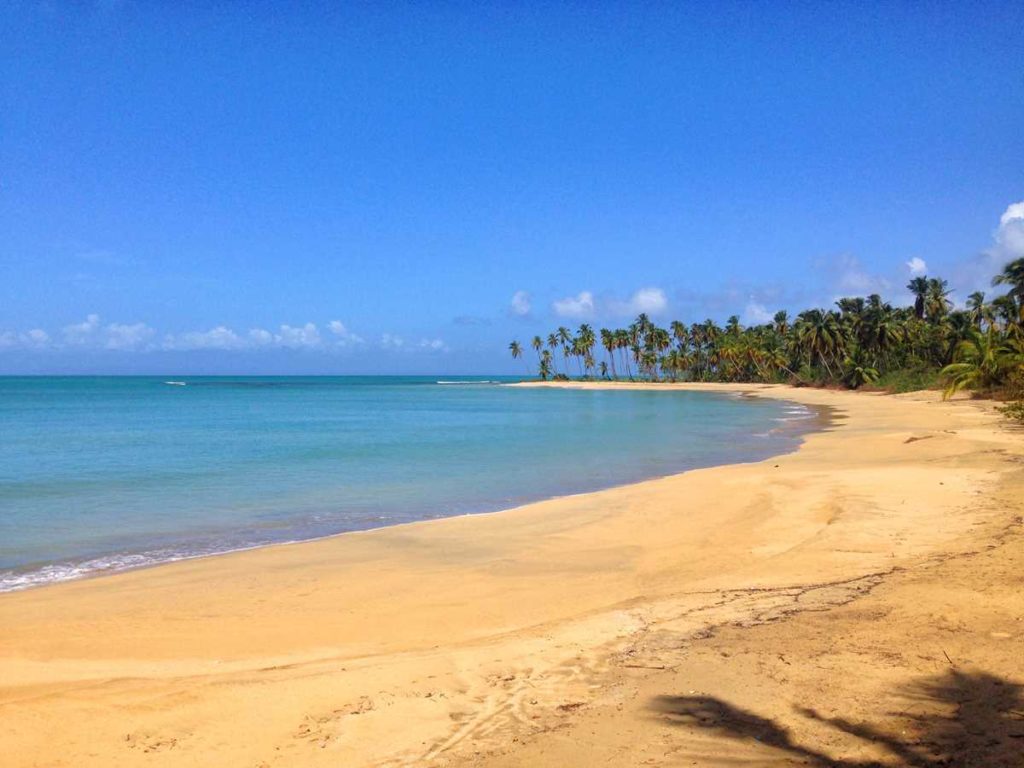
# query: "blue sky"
x,y
194,189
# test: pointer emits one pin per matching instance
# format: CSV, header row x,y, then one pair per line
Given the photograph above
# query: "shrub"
x,y
907,380
1014,411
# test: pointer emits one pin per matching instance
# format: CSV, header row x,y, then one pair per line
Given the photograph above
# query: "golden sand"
x,y
761,612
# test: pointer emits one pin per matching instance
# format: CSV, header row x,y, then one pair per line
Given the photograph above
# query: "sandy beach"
x,y
857,602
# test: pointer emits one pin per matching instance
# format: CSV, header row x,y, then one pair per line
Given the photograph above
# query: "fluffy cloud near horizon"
x,y
976,273
342,334
114,336
220,337
226,339
756,313
651,301
301,337
36,338
433,345
580,306
81,333
128,337
390,341
585,305
852,279
92,334
1009,236
306,336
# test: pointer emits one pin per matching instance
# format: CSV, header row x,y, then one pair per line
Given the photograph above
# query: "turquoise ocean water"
x,y
101,474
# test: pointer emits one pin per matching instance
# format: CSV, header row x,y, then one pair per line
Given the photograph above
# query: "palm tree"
x,y
517,352
1013,276
857,373
819,336
976,307
622,343
545,365
980,362
851,306
1005,308
879,331
980,347
552,345
586,338
919,287
649,358
937,301
679,333
565,339
608,341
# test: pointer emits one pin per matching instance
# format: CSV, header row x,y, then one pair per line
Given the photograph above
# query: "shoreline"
x,y
820,419
477,637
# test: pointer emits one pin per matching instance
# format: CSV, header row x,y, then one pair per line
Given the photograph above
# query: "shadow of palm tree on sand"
x,y
961,720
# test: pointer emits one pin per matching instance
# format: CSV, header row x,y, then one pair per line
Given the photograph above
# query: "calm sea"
x,y
100,474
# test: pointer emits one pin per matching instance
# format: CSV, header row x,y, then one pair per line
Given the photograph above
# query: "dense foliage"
x,y
863,341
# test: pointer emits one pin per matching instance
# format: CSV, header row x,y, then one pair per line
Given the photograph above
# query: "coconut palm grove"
x,y
862,342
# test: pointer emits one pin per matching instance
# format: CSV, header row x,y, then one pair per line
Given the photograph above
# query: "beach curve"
x,y
443,641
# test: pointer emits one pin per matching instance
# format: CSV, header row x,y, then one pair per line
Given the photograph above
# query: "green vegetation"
x,y
1014,411
908,380
863,342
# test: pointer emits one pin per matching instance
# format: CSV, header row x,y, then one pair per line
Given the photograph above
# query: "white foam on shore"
x,y
13,581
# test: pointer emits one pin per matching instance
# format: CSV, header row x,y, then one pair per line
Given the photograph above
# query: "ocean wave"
x,y
13,581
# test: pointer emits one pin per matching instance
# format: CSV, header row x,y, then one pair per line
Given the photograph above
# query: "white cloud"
x,y
305,336
260,337
92,334
390,341
755,313
520,305
917,266
580,306
36,338
584,305
433,345
83,332
853,280
343,334
127,337
1010,235
220,337
976,274
650,301
288,337
115,336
